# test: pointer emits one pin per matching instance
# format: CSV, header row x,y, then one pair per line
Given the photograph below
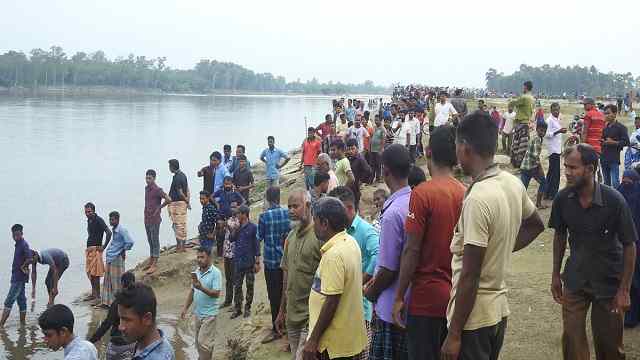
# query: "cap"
x,y
588,101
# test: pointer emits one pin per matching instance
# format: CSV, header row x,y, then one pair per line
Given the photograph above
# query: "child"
x,y
531,166
379,197
416,176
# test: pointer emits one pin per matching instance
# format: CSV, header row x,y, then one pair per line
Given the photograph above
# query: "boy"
x,y
57,325
531,166
243,178
246,260
19,278
208,222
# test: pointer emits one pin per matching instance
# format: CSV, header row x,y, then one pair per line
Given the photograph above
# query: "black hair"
x,y
612,107
542,125
528,85
242,147
205,193
311,129
140,298
442,144
205,249
342,115
333,211
458,92
273,194
416,176
90,205
319,178
242,157
226,147
352,142
328,117
339,144
114,214
270,137
56,318
343,194
151,172
588,154
215,155
480,101
555,105
127,279
16,227
174,164
244,209
228,178
397,160
479,132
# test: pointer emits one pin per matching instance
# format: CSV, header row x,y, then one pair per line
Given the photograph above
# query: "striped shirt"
x,y
273,228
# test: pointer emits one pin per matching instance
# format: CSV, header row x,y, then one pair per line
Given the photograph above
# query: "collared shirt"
x,y
243,177
203,304
523,106
153,195
619,133
219,173
300,260
225,198
552,140
597,235
443,113
160,349
392,241
179,182
368,240
273,228
79,349
209,218
531,158
120,242
460,104
227,162
351,113
20,255
377,139
339,273
272,159
343,166
96,228
246,246
311,151
235,165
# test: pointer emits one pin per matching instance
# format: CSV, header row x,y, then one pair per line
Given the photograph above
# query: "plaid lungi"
x,y
178,215
389,342
111,284
519,144
93,264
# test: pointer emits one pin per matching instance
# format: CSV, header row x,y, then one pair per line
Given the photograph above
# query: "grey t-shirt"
x,y
52,257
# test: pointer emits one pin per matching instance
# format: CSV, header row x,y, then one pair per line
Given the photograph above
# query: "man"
x,y
223,200
179,194
243,178
360,169
341,127
615,137
531,167
415,133
94,266
592,125
153,196
350,111
206,285
325,130
426,261
57,325
311,148
445,111
320,187
497,218
271,156
119,347
121,242
273,227
300,260
358,133
232,224
323,165
19,278
207,226
246,261
137,308
227,159
459,104
214,174
506,130
524,111
389,341
553,143
368,241
240,151
600,267
336,319
376,147
343,172
58,262
482,107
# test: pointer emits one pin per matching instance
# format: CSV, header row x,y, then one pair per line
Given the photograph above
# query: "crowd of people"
x,y
424,278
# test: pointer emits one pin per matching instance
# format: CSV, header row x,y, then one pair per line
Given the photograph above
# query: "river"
x,y
60,152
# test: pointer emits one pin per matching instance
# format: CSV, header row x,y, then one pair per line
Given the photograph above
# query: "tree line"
x,y
54,68
558,80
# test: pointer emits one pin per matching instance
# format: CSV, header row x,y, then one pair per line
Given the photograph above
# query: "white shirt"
x,y
415,128
552,142
401,137
442,113
508,122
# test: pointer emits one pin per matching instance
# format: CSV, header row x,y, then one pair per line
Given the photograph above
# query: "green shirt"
x,y
343,166
377,140
300,260
524,108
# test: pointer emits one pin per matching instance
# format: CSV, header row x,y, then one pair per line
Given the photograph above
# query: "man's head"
x,y
114,218
337,149
352,148
416,176
242,161
541,128
127,279
150,177
637,122
137,308
377,120
89,209
243,213
273,195
442,97
203,257
16,232
228,183
240,150
555,109
204,197
580,165
174,165
442,146
329,218
321,182
481,105
350,102
476,141
227,150
379,197
311,133
610,112
271,141
527,86
348,199
323,163
458,92
396,163
357,123
215,159
510,108
343,118
588,103
57,325
328,118
299,205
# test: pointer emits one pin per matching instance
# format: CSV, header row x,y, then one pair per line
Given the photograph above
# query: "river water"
x,y
60,152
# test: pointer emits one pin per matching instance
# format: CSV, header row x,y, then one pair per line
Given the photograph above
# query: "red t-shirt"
x,y
311,151
434,211
594,123
324,130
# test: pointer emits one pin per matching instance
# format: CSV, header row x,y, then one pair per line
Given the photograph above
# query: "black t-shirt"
x,y
618,132
96,228
179,182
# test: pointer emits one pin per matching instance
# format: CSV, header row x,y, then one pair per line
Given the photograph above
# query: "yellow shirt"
x,y
343,166
492,212
340,272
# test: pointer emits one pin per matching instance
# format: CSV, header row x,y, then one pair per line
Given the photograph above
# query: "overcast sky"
x,y
434,42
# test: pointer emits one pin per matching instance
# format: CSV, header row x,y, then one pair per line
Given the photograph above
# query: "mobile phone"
x,y
194,276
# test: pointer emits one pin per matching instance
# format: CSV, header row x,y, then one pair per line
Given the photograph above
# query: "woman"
x,y
630,189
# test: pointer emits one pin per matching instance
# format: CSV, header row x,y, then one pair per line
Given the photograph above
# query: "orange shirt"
x,y
594,125
311,151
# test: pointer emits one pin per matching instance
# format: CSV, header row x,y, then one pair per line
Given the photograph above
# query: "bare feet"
x,y
89,298
151,269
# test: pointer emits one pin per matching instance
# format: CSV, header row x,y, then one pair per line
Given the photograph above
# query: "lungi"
x,y
111,284
178,215
519,144
93,261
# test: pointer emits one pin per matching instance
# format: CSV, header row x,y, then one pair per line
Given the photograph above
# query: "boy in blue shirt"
x,y
19,277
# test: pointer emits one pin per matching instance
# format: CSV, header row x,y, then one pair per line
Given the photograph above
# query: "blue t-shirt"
x,y
20,256
368,239
272,159
225,198
203,304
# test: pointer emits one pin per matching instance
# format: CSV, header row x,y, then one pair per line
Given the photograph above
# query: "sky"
x,y
429,42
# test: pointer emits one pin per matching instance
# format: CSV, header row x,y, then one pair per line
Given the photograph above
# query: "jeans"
x,y
228,280
239,276
527,175
425,336
611,173
153,237
376,165
16,292
273,182
412,153
553,176
274,279
308,176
